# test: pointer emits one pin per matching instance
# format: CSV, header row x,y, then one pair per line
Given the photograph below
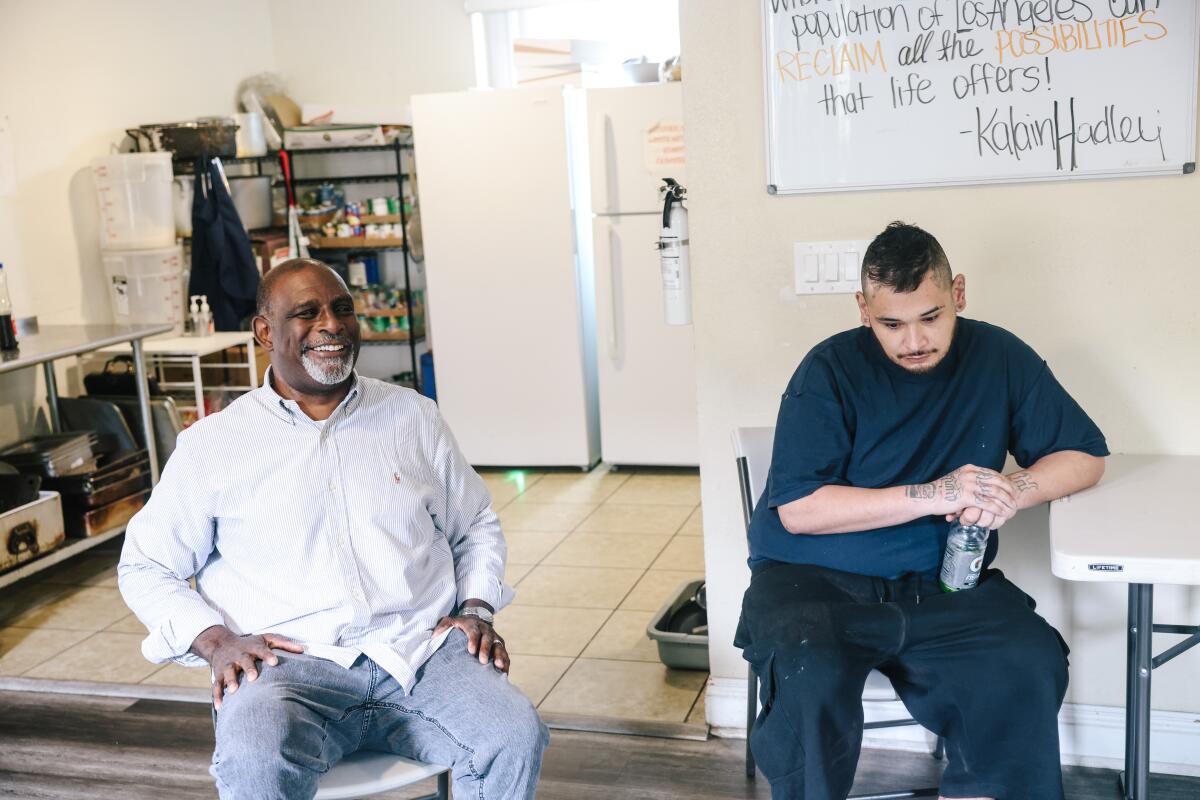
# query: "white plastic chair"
x,y
752,448
366,773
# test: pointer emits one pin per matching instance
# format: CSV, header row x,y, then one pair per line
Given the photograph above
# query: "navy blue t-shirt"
x,y
852,417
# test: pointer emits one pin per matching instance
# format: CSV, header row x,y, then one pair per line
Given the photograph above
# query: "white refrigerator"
x,y
510,285
647,369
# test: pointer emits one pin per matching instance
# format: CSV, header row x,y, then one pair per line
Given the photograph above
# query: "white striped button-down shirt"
x,y
353,537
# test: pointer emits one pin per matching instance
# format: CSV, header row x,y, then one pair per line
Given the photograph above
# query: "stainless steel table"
x,y
1137,527
53,342
46,346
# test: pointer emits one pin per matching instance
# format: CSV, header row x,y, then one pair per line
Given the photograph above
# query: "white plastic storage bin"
x,y
134,192
31,530
146,286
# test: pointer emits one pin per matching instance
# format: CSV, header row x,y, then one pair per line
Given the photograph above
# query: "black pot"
x,y
215,136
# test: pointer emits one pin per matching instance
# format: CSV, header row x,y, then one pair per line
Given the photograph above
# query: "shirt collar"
x,y
289,411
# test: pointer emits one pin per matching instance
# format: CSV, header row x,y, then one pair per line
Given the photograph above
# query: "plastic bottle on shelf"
x,y
194,314
8,336
206,320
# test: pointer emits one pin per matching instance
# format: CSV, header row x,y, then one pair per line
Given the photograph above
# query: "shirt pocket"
x,y
397,498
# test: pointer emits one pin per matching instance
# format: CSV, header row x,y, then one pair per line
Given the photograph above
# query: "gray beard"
x,y
331,374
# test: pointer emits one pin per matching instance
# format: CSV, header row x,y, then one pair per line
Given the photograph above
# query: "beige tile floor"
x,y
592,558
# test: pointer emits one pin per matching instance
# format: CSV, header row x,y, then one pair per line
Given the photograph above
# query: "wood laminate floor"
x,y
71,747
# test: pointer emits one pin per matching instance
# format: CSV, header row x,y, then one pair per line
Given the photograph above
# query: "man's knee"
x,y
263,724
521,736
530,735
1036,659
254,704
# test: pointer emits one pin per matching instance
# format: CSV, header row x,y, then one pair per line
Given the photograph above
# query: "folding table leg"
x,y
1139,669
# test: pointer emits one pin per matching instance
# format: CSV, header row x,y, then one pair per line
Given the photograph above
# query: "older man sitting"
x,y
347,562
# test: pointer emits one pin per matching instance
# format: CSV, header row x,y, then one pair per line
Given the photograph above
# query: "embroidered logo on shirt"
x,y
396,477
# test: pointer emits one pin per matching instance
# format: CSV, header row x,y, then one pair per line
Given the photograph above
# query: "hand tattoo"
x,y
1023,481
950,486
922,491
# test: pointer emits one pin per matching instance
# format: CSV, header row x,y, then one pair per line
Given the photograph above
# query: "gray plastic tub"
x,y
679,650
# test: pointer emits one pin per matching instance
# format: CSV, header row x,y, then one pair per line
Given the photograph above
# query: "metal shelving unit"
x,y
185,167
342,178
397,148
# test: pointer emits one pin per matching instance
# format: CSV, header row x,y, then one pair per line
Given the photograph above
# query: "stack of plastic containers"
x,y
143,265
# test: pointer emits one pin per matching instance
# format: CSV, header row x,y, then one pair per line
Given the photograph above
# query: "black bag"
x,y
223,266
113,381
17,488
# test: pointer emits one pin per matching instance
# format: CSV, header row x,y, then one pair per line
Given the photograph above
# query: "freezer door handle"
x,y
612,293
610,169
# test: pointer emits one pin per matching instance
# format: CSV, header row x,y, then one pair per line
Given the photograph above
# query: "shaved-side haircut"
x,y
902,256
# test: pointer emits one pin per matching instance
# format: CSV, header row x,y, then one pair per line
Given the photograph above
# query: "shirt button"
x,y
332,488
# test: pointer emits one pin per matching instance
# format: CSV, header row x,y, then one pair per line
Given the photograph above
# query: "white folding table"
x,y
1137,526
189,350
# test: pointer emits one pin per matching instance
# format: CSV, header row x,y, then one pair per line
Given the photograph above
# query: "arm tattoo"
x,y
922,491
1024,481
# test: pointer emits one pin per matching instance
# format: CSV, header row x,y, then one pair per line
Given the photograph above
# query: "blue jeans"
x,y
278,735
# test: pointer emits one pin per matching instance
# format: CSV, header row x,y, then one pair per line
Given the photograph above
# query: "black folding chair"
x,y
752,448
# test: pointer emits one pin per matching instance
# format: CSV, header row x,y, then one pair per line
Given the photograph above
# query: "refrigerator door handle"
x,y
612,294
610,169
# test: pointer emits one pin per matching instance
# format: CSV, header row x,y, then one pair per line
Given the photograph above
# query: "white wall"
x,y
1100,277
372,51
73,75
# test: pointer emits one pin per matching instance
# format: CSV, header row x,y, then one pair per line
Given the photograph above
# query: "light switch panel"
x,y
828,267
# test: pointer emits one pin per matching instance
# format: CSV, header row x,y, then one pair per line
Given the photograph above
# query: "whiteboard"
x,y
872,94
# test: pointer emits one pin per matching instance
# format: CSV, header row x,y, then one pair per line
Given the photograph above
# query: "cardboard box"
x,y
318,136
270,248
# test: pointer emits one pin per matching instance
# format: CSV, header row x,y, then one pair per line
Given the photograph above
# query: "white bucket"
x,y
181,194
145,286
134,191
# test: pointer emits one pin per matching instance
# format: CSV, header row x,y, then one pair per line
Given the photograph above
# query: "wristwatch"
x,y
477,611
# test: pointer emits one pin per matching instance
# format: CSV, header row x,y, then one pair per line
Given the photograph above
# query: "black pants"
x,y
978,667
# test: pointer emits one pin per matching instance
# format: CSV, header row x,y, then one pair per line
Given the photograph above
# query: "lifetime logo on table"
x,y
1106,567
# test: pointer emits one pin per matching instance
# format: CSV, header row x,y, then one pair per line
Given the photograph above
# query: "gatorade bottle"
x,y
8,338
963,560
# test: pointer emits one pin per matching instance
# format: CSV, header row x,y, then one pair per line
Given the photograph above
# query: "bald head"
x,y
269,282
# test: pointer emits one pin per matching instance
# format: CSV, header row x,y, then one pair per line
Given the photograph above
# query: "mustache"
x,y
336,340
918,353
